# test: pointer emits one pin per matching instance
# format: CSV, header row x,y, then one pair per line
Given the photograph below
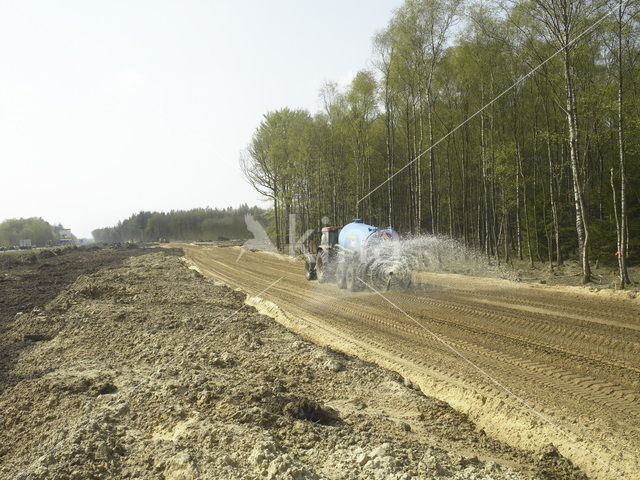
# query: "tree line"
x,y
39,231
515,129
199,224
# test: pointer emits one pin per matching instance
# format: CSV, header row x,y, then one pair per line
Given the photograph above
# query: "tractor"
x,y
356,256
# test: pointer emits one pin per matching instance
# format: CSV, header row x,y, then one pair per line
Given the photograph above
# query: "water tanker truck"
x,y
358,254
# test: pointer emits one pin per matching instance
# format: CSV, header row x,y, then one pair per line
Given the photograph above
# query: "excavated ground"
x,y
146,369
32,279
530,364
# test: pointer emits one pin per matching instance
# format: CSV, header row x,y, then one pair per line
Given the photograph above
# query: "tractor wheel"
x,y
403,281
322,267
352,283
309,270
341,276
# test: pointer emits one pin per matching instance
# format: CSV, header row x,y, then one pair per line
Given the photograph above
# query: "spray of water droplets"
x,y
396,261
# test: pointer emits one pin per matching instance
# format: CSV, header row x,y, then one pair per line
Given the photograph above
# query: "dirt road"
x,y
531,365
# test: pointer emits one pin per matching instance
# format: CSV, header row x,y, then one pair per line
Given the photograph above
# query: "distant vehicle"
x,y
164,240
65,236
25,244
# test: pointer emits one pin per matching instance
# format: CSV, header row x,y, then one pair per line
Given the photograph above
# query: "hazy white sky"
x,y
112,107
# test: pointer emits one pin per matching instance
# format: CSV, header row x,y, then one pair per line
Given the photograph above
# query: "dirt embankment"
x,y
108,390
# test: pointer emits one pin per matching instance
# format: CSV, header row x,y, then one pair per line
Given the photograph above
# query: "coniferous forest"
x,y
198,224
513,127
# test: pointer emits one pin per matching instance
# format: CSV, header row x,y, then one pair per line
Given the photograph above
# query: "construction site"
x,y
210,361
393,239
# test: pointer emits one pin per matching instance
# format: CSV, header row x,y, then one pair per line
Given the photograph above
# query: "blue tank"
x,y
356,235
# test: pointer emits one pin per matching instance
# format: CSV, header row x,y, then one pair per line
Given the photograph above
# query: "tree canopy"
x,y
498,125
199,224
39,231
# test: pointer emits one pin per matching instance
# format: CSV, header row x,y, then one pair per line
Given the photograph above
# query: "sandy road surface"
x,y
573,358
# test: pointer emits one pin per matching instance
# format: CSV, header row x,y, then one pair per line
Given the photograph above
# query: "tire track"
x,y
538,344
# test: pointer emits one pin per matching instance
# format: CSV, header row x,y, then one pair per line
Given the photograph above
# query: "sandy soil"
x,y
530,364
145,369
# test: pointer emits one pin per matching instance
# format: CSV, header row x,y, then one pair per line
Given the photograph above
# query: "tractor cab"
x,y
329,237
320,265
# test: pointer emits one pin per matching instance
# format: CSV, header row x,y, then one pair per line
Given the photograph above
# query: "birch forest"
x,y
512,127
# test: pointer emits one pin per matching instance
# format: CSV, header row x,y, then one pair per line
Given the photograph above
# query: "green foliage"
x,y
201,224
432,81
40,232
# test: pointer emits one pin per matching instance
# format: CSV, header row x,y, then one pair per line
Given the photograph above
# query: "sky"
x,y
111,107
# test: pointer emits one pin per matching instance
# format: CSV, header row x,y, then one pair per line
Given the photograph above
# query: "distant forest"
x,y
549,170
39,231
200,224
